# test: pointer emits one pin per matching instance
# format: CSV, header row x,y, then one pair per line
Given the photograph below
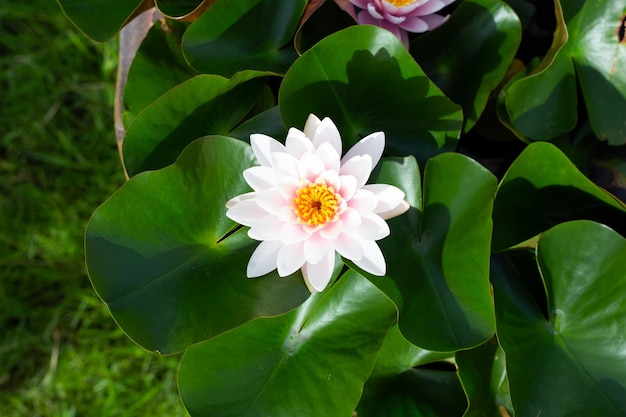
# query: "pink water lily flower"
x,y
309,202
402,16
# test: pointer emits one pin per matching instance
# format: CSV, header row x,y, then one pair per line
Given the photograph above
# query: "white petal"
x,y
349,247
287,215
401,208
317,276
373,227
331,230
246,212
326,132
259,177
348,186
373,260
316,248
264,146
351,220
284,164
310,167
290,258
241,197
329,156
331,179
372,145
271,200
297,143
312,122
359,167
293,233
363,202
266,228
388,196
264,258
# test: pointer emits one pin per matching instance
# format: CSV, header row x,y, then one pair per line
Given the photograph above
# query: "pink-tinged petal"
x,y
398,33
272,200
373,260
331,230
287,215
359,167
266,228
293,233
316,248
388,196
364,202
372,145
241,197
290,258
373,227
284,164
264,146
312,122
401,208
331,179
414,24
329,156
317,276
396,20
297,144
434,20
351,220
246,212
348,186
310,167
259,177
364,18
371,9
264,258
327,132
429,8
360,3
349,246
288,186
405,10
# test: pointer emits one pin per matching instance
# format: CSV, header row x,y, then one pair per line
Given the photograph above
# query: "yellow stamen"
x,y
400,3
316,204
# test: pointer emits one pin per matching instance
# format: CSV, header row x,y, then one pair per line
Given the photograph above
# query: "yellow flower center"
x,y
400,3
316,204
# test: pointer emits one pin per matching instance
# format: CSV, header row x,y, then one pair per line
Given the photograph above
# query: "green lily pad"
x,y
309,363
101,19
364,79
438,253
586,49
570,361
177,8
167,261
243,35
469,56
203,105
543,188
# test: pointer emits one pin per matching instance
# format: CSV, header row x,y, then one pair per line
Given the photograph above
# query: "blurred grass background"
x,y
61,354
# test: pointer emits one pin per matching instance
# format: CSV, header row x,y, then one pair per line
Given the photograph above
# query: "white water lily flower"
x,y
309,202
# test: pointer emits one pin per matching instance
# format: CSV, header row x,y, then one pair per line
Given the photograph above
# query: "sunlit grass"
x,y
61,352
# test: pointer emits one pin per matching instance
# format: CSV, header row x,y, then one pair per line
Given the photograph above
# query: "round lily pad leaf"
x,y
543,188
364,79
203,105
568,362
311,362
244,35
469,56
438,252
168,262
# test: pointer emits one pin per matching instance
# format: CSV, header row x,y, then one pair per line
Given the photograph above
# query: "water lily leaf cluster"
x,y
497,289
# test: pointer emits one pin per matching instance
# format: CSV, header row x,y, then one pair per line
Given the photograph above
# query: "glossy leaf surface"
x,y
203,105
469,55
543,105
365,80
438,252
576,349
159,252
243,35
311,362
543,188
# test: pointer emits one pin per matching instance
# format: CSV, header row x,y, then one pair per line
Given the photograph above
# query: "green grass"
x,y
61,353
